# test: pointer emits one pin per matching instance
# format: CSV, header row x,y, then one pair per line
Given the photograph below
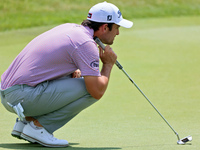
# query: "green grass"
x,y
15,14
162,57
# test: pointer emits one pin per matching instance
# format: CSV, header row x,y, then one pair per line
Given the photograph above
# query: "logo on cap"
x,y
89,15
109,17
119,13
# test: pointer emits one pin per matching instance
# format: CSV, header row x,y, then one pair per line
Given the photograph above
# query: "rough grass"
x,y
15,14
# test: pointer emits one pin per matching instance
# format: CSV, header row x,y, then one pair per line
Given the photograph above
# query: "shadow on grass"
x,y
18,146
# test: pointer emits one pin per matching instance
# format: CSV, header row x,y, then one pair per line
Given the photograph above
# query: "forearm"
x,y
105,76
106,70
97,86
108,63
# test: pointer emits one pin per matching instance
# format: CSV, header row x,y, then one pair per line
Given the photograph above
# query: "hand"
x,y
76,74
107,56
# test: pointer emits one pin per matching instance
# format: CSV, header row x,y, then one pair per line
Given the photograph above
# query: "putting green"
x,y
162,57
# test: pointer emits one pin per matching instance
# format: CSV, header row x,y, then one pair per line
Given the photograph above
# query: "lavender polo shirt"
x,y
54,54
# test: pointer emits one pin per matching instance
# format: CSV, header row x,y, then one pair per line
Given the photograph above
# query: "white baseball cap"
x,y
108,13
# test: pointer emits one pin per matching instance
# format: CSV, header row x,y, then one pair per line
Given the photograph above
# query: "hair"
x,y
95,25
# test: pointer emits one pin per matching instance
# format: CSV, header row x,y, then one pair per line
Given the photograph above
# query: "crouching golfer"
x,y
57,75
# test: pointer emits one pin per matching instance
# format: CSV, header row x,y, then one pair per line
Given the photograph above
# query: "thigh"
x,y
53,95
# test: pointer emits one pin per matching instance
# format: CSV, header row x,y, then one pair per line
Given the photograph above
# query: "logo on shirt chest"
x,y
94,64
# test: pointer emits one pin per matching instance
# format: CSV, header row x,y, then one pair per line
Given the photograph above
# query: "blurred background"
x,y
15,14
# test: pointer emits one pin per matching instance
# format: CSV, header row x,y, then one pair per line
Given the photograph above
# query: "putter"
x,y
180,141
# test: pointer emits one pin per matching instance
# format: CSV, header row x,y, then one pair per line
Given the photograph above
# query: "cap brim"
x,y
125,23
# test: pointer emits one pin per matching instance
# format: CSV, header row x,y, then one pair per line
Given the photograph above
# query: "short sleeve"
x,y
86,58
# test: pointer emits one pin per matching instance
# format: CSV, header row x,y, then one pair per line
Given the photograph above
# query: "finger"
x,y
74,75
100,51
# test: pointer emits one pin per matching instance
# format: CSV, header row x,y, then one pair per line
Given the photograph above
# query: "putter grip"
x,y
98,41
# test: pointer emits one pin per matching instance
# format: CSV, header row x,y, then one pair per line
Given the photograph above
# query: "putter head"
x,y
184,140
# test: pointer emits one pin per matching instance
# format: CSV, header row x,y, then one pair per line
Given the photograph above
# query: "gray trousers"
x,y
52,103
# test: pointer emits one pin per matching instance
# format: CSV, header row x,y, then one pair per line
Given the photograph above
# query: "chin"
x,y
109,43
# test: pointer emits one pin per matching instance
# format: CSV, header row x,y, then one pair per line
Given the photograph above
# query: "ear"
x,y
104,28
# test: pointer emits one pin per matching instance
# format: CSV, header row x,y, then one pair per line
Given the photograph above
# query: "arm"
x,y
96,86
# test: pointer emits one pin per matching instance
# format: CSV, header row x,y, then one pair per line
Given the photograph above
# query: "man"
x,y
43,84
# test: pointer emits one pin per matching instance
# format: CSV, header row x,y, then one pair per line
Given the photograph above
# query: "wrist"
x,y
108,65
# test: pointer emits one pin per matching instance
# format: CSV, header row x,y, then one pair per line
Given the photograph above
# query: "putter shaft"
x,y
97,40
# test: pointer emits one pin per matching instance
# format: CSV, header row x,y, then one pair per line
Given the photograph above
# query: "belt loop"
x,y
1,91
47,83
22,87
2,94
